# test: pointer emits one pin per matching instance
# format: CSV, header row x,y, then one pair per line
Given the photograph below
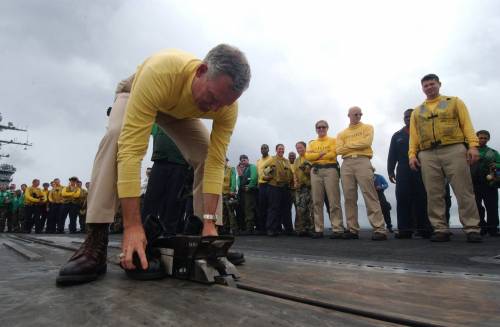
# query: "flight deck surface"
x,y
286,281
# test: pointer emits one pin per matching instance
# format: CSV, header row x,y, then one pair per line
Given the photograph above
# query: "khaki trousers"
x,y
354,172
191,137
449,163
326,180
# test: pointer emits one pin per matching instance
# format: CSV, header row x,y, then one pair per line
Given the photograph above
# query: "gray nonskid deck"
x,y
311,269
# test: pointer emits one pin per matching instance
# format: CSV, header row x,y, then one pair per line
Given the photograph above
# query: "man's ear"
x,y
201,70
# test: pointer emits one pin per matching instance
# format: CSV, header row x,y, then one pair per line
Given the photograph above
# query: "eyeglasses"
x,y
321,127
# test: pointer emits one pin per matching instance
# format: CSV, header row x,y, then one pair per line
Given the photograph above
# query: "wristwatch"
x,y
210,217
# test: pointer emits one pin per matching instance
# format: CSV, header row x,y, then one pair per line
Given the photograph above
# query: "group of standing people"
x,y
308,182
449,153
45,209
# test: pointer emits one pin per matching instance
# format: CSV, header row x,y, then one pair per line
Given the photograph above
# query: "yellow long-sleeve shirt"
x,y
261,164
451,125
280,172
301,174
45,198
55,195
355,140
33,195
70,194
163,84
322,144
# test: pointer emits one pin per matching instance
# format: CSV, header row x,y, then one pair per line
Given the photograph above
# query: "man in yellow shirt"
x,y
82,205
33,198
354,144
443,144
71,196
278,173
292,156
44,210
260,223
175,89
302,181
55,205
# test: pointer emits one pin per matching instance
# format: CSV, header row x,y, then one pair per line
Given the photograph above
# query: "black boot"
x,y
89,261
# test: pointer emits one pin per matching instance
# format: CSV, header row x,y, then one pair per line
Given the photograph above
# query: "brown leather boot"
x,y
89,261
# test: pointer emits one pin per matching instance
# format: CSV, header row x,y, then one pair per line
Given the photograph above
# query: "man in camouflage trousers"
x,y
303,199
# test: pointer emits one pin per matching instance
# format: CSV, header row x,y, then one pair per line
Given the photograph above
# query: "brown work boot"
x,y
89,261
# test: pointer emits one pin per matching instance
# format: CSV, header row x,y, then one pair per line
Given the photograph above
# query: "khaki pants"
x,y
190,136
326,180
354,172
449,162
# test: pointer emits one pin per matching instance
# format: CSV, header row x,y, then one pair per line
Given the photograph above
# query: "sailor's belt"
x,y
355,156
435,145
332,165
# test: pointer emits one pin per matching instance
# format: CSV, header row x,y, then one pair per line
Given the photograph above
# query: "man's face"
x,y
23,187
431,88
301,149
291,157
57,182
79,184
280,151
483,139
244,161
211,93
264,149
87,185
52,184
12,187
321,129
46,187
406,118
36,183
354,115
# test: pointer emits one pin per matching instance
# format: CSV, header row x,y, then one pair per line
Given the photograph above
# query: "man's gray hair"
x,y
229,60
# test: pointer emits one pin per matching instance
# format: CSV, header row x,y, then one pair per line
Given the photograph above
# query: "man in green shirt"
x,y
483,176
168,174
247,194
5,203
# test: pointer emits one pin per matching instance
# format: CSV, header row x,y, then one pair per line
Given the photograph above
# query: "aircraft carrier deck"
x,y
286,281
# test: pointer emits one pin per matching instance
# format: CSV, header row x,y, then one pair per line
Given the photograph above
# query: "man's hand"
x,y
134,240
392,179
321,155
414,164
472,155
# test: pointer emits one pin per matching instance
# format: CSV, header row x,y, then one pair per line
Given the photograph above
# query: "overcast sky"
x,y
61,60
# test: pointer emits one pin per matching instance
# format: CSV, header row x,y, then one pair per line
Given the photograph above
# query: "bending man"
x,y
174,89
